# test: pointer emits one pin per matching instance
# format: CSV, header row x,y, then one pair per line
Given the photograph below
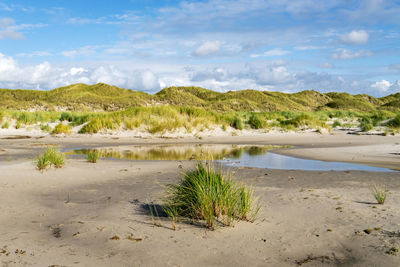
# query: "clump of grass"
x,y
51,156
62,129
210,195
45,128
336,123
93,156
379,194
255,122
237,123
395,122
5,125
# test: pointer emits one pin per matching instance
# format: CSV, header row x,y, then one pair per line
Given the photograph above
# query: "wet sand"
x,y
95,214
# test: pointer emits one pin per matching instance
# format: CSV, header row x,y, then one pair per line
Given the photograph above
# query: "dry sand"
x,y
68,216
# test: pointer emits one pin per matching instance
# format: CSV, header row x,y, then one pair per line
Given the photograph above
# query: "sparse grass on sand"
x,y
379,194
93,156
210,195
62,129
51,156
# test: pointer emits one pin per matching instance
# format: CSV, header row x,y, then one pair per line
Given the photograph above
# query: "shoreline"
x,y
372,150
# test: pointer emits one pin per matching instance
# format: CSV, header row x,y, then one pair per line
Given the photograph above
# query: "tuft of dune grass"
x,y
210,195
50,157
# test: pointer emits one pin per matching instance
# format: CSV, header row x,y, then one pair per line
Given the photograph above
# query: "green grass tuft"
x,y
379,194
237,123
5,125
255,121
210,195
51,156
93,156
62,129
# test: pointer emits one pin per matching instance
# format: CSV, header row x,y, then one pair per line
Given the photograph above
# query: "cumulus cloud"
x,y
348,54
46,76
382,86
208,48
355,37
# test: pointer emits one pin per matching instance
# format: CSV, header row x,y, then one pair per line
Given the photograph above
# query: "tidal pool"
x,y
230,155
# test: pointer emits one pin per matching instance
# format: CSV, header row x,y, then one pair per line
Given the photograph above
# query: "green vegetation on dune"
x,y
103,108
82,97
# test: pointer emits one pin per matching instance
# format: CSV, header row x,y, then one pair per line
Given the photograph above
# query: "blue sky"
x,y
288,45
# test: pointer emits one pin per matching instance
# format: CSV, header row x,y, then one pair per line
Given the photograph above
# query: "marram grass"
x,y
211,196
51,156
379,194
93,156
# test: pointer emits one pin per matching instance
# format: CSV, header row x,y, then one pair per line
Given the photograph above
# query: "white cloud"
x,y
347,54
46,76
355,37
7,31
10,30
208,48
271,53
382,86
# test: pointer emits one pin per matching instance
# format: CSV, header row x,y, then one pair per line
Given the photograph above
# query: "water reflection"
x,y
182,152
231,155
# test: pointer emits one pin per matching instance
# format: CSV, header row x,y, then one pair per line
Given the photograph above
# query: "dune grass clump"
x,y
93,156
62,129
210,195
5,125
45,128
255,122
379,194
237,123
395,122
51,156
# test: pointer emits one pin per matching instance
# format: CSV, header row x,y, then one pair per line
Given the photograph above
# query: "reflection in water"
x,y
231,155
182,152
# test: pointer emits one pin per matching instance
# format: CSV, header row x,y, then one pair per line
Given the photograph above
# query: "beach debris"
x,y
115,237
56,231
77,233
329,230
393,251
134,239
100,228
310,258
20,251
4,251
370,230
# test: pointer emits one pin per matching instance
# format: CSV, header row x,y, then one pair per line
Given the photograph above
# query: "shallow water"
x,y
277,161
230,155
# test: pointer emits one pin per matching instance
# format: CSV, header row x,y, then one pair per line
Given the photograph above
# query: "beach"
x,y
88,214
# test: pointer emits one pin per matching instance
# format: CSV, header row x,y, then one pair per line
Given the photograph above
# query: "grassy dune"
x,y
104,108
82,97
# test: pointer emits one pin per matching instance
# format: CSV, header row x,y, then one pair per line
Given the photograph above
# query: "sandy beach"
x,y
96,214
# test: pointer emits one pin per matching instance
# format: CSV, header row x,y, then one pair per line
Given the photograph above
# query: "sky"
x,y
287,45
